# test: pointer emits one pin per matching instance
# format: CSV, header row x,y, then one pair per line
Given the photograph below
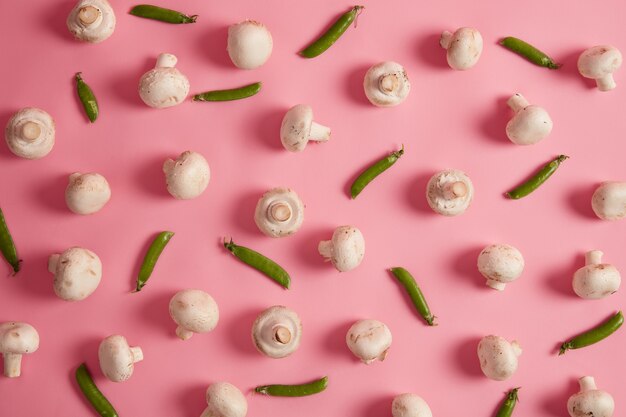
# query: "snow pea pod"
x,y
414,291
325,41
230,94
259,262
161,14
301,390
595,334
97,400
373,171
508,405
536,180
7,246
529,52
87,98
151,257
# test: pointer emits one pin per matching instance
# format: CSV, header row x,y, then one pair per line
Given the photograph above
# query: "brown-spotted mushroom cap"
x,y
225,400
87,193
599,63
609,200
464,47
298,128
91,20
530,124
77,273
386,84
188,176
410,405
277,331
16,339
596,280
590,401
498,357
279,212
500,264
346,248
194,311
369,340
249,44
164,86
30,133
117,358
449,192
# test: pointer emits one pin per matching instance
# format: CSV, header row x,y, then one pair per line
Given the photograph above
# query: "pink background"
x,y
450,120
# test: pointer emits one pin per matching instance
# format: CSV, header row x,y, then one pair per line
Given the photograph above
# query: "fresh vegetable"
x,y
590,401
500,264
346,248
91,21
530,124
449,192
164,86
117,358
508,405
16,339
7,246
310,388
249,44
225,400
194,311
464,47
259,262
410,405
87,98
279,212
596,279
87,193
91,392
609,200
536,180
30,133
161,14
498,357
526,50
386,84
228,95
369,340
77,273
298,128
151,258
415,293
329,37
595,334
277,331
599,63
373,171
187,176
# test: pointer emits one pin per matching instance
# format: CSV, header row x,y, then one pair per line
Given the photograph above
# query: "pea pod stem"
x,y
87,98
259,262
91,392
373,171
595,334
151,257
321,44
529,52
7,246
415,293
301,390
536,180
508,405
229,94
161,14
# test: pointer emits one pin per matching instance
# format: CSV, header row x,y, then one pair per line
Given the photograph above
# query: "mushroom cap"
x,y
99,30
347,248
22,146
596,403
163,86
466,46
410,405
194,310
296,127
599,61
18,338
225,400
397,91
249,44
279,212
77,273
609,200
596,281
116,358
501,262
498,357
188,176
439,197
529,125
87,193
369,340
265,327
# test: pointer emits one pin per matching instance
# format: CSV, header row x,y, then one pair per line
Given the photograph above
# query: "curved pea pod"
x,y
529,52
595,334
91,392
229,94
151,258
7,246
259,262
301,390
87,98
536,180
415,293
161,14
373,171
321,44
508,405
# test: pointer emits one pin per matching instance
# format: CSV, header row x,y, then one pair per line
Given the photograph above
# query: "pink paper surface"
x,y
450,120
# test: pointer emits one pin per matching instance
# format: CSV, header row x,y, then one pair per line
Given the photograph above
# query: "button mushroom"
x,y
87,193
369,340
298,128
609,200
91,20
410,405
530,124
16,339
163,86
590,401
498,357
77,273
386,84
249,44
188,176
500,264
225,400
345,249
276,332
449,192
464,47
194,311
117,358
599,63
30,133
279,212
596,279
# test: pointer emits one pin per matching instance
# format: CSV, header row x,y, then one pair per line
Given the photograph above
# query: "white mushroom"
x,y
225,400
163,86
464,47
590,401
117,358
599,63
500,264
87,193
277,331
188,176
249,44
530,124
30,133
194,311
345,249
91,20
369,340
298,128
386,84
596,279
410,405
279,212
609,200
16,339
77,273
498,357
449,192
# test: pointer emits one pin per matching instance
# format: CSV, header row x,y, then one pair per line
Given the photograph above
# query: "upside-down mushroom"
x,y
30,133
386,84
277,331
91,20
449,192
279,212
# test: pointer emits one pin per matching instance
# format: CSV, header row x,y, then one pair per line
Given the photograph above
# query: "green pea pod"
x,y
97,400
325,41
373,171
536,180
310,388
161,14
151,257
259,262
231,94
415,293
595,334
508,405
529,52
87,98
7,246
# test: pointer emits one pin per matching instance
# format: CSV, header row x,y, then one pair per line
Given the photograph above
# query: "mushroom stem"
x,y
517,102
496,285
325,248
319,133
52,262
454,190
89,15
166,61
282,334
517,349
137,353
12,364
606,83
183,333
280,211
593,257
388,83
31,131
446,38
587,383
